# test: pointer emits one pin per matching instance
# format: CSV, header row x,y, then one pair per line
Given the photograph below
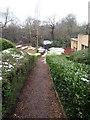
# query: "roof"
x,y
58,51
18,46
74,39
45,42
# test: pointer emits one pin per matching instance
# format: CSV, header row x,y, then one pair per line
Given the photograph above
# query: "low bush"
x,y
72,83
82,56
5,44
15,67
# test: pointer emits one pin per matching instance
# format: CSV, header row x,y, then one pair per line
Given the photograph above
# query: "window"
x,y
83,46
75,49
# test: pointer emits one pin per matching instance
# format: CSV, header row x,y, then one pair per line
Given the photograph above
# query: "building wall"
x,y
89,40
83,40
74,44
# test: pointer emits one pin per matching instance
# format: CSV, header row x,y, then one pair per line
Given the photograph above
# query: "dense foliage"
x,y
72,83
82,56
5,44
15,66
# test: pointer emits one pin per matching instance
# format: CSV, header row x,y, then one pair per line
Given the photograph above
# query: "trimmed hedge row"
x,y
5,44
82,56
72,83
14,74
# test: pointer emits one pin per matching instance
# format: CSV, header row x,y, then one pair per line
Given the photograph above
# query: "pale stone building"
x,y
74,44
82,42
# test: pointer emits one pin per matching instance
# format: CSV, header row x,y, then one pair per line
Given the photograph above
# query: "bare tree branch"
x,y
7,17
51,22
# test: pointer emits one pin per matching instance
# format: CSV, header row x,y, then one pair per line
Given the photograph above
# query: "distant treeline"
x,y
60,32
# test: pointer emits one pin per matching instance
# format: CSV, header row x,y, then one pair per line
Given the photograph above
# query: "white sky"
x,y
47,8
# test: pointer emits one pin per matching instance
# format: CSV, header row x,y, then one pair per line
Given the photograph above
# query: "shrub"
x,y
82,56
72,83
6,44
15,67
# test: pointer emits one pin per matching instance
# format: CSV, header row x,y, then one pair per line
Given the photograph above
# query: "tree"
x,y
32,29
7,17
12,32
83,28
51,22
29,23
65,29
36,25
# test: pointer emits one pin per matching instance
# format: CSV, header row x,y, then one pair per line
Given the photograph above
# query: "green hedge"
x,y
72,83
15,67
5,44
82,56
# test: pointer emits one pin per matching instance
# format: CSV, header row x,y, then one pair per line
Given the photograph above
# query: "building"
x,y
74,44
82,42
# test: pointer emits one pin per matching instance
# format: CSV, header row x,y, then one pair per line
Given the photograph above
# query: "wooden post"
x,y
37,34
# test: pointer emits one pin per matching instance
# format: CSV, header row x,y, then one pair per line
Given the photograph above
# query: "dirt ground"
x,y
37,97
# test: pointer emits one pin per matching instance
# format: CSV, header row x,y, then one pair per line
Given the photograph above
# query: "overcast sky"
x,y
47,8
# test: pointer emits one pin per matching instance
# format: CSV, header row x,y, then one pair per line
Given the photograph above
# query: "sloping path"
x,y
37,98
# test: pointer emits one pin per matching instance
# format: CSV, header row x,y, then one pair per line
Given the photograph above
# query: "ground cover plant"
x,y
72,83
15,67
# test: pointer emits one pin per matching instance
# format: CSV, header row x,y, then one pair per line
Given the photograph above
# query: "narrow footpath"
x,y
37,98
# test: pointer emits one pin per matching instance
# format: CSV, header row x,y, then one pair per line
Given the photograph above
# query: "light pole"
x,y
37,34
37,22
89,21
